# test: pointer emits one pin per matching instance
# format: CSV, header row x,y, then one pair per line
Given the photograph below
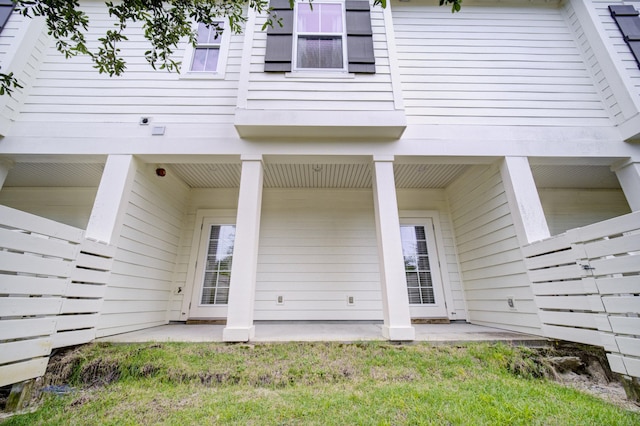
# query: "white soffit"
x,y
577,176
54,175
427,175
317,176
209,175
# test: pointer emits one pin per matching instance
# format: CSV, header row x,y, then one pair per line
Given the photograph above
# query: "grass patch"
x,y
311,383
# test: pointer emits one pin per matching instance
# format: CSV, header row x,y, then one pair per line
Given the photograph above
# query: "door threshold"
x,y
430,321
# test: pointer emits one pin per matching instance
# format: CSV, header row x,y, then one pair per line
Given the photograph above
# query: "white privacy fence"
x,y
52,282
587,287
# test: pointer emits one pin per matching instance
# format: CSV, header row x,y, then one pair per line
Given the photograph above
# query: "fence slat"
x,y
584,286
556,274
21,220
94,262
89,276
553,259
616,265
21,371
617,285
26,327
71,338
578,303
80,306
20,241
27,306
628,345
625,325
34,286
624,244
622,305
74,322
86,290
617,225
24,349
33,264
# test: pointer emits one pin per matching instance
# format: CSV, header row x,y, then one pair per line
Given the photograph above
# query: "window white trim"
x,y
343,36
191,307
185,69
420,217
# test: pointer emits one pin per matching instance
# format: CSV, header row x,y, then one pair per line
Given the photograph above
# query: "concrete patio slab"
x,y
323,331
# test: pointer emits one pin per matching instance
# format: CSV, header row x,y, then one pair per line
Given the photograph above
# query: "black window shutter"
x,y
360,55
359,37
6,9
280,38
628,22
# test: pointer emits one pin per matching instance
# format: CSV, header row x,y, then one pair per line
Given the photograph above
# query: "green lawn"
x,y
312,383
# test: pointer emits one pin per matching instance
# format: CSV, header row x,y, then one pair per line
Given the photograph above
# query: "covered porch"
x,y
325,331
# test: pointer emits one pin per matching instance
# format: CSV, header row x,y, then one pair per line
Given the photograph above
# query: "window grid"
x,y
322,45
206,54
217,269
417,265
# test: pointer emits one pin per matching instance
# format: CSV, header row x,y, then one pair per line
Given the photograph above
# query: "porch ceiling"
x,y
318,175
55,175
574,176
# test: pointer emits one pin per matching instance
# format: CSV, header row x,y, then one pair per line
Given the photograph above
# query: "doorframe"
x,y
223,215
408,215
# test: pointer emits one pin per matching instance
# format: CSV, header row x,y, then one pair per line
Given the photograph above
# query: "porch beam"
x,y
5,166
524,200
112,198
242,288
628,174
395,300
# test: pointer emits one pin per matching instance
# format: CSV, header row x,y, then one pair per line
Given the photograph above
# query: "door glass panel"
x,y
417,266
217,272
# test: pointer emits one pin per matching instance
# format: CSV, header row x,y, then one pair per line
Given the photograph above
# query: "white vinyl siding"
x,y
280,91
591,60
318,248
73,91
621,51
572,208
493,66
142,277
491,262
71,206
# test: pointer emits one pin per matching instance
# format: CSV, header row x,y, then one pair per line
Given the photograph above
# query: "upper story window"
x,y
207,52
332,35
208,57
320,36
6,9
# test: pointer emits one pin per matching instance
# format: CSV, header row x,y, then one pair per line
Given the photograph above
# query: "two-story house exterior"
x,y
357,163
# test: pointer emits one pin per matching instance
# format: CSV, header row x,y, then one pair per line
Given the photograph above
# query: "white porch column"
x,y
395,300
524,200
242,289
5,166
629,177
105,222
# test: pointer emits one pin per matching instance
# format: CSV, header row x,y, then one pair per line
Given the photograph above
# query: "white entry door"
x,y
424,282
210,293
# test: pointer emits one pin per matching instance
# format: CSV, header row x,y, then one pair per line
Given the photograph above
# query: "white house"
x,y
358,163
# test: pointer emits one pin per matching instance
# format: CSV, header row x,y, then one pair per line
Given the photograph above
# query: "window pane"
x,y
217,274
319,52
331,18
308,18
205,59
209,35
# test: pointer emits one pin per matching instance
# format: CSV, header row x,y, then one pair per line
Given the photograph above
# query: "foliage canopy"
x,y
165,24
